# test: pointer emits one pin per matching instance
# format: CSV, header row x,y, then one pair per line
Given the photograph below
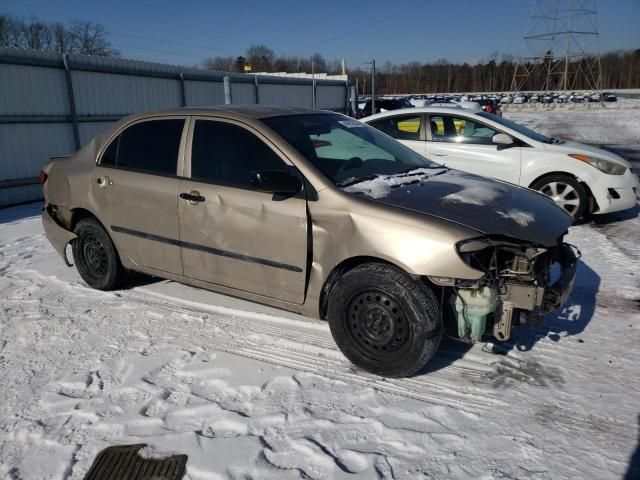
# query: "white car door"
x,y
408,129
466,144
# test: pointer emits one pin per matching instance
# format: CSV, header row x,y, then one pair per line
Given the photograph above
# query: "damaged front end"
x,y
522,282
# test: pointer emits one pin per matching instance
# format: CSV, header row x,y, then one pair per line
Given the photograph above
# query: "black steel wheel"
x,y
384,321
95,256
377,325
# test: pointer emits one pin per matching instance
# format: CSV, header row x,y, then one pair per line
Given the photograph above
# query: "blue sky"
x,y
188,31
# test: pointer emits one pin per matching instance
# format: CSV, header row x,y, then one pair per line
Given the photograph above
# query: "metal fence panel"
x,y
288,95
331,97
243,93
37,120
88,130
204,93
44,91
105,93
24,149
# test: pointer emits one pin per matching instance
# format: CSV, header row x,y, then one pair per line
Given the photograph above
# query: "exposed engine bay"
x,y
522,282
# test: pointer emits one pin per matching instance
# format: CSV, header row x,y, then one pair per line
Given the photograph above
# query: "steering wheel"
x,y
353,162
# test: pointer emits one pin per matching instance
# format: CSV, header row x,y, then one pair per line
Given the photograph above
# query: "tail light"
x,y
42,177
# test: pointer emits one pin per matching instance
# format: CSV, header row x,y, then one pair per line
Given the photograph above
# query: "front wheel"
x,y
96,257
567,192
383,321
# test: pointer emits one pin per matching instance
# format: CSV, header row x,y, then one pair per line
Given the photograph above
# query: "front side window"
x,y
449,128
227,154
401,127
343,149
150,147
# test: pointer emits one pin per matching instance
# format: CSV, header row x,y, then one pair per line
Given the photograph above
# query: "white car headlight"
x,y
605,166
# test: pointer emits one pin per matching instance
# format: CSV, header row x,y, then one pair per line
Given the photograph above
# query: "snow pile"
x,y
474,191
521,217
381,186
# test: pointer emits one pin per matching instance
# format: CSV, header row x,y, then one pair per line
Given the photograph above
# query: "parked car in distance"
x,y
382,105
316,213
490,106
582,179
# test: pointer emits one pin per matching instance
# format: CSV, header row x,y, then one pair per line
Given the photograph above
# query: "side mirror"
x,y
502,139
275,181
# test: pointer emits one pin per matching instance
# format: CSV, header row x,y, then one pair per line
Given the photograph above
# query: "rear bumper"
x,y
57,235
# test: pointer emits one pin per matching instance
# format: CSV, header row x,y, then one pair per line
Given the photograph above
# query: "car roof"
x,y
416,110
231,111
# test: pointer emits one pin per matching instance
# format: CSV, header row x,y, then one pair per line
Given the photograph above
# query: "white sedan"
x,y
580,178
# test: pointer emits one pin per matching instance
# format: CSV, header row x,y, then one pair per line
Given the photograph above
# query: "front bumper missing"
x,y
558,293
534,299
57,235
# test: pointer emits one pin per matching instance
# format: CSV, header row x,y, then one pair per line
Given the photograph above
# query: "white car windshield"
x,y
538,137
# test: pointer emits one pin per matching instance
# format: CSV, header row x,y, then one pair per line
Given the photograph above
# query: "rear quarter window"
x,y
150,146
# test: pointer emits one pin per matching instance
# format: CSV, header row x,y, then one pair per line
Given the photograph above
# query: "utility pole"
x,y
373,86
313,85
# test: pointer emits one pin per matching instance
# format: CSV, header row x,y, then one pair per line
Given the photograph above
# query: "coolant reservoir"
x,y
472,307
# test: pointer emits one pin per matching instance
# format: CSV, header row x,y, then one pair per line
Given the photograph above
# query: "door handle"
x,y
104,181
193,197
440,154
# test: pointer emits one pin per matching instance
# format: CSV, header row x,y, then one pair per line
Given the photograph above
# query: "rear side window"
x,y
227,154
148,147
401,127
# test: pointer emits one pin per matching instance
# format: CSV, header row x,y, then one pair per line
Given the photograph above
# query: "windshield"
x,y
346,150
538,137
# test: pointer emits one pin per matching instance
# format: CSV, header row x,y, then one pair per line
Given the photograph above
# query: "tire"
x,y
95,256
383,321
567,192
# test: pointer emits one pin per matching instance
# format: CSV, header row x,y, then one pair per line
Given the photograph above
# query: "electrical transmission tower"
x,y
561,45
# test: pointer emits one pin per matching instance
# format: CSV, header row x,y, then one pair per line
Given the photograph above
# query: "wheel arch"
x,y
593,205
340,269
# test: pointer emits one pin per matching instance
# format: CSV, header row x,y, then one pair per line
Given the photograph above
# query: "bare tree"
x,y
260,57
11,32
90,38
36,34
62,38
83,37
219,64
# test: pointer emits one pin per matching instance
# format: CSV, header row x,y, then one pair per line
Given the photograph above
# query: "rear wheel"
x,y
384,321
96,257
567,192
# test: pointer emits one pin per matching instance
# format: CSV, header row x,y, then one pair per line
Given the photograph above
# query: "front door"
x,y
230,233
135,189
406,128
465,144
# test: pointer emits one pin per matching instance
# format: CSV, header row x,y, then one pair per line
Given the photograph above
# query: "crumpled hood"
x,y
488,206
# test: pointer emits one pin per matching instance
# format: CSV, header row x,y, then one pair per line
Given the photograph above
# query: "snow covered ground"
x,y
250,392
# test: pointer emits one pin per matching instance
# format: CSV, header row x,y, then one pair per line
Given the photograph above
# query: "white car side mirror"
x,y
502,139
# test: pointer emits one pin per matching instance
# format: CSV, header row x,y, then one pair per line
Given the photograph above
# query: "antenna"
x,y
561,48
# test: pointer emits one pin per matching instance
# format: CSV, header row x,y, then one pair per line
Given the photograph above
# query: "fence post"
x,y
354,100
183,95
227,90
257,89
72,100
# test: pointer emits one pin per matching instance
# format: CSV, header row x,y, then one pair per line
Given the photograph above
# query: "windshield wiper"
x,y
348,183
